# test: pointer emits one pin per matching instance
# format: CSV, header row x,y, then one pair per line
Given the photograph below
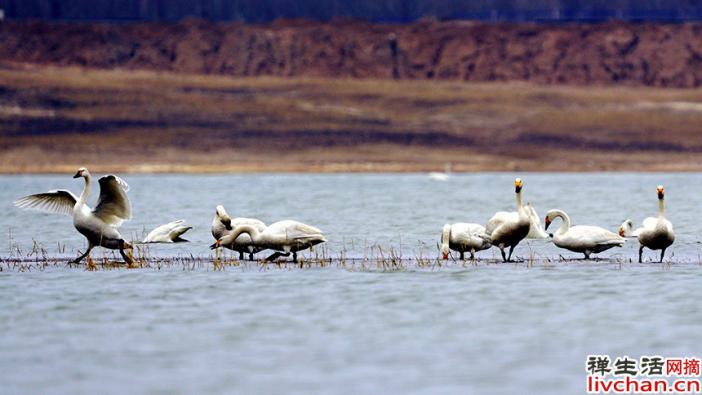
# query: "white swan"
x,y
168,233
507,229
283,236
99,225
657,233
536,230
627,227
441,176
222,225
582,238
464,237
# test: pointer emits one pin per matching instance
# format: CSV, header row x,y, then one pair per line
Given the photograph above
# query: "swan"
x,y
168,233
582,238
657,233
509,228
627,227
439,176
283,236
536,230
98,225
464,237
222,225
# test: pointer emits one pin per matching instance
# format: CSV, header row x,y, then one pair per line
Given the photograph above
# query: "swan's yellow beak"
x,y
661,191
518,185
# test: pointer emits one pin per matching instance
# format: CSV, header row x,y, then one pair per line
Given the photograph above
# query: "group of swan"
x,y
247,235
507,229
100,225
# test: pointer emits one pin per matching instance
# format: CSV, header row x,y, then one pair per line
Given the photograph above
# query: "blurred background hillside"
x,y
371,10
153,85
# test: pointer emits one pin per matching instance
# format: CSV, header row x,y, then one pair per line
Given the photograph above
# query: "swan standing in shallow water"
x,y
657,233
222,226
507,229
99,225
284,236
464,237
168,233
582,238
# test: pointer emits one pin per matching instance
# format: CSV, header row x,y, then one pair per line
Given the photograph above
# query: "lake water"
x,y
485,328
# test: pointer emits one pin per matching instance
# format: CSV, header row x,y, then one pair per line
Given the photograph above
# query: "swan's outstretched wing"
x,y
59,201
113,206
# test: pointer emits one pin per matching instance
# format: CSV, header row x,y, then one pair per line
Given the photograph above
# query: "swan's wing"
x,y
178,230
113,205
649,222
167,232
58,201
498,219
593,235
536,229
249,221
298,230
468,228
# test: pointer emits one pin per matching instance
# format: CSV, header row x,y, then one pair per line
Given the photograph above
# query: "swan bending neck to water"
x,y
222,225
284,236
98,225
463,237
168,233
657,233
507,229
582,238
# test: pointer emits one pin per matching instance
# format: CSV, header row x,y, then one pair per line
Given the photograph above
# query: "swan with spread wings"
x,y
98,225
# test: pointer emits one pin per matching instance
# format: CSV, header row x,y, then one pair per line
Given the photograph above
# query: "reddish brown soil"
x,y
650,54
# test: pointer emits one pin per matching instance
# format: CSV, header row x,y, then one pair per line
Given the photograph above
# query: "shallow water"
x,y
490,328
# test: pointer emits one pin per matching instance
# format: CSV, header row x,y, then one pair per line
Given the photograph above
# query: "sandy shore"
x,y
54,119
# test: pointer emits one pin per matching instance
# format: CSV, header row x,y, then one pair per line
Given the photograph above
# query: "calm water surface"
x,y
479,329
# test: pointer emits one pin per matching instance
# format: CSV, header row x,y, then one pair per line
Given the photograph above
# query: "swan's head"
x,y
518,185
445,232
82,172
626,228
550,216
661,191
224,218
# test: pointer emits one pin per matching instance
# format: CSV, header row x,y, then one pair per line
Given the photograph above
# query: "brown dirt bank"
x,y
55,119
648,54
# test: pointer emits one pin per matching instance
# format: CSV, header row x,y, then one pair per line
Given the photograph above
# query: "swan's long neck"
x,y
248,229
86,191
520,208
566,221
661,208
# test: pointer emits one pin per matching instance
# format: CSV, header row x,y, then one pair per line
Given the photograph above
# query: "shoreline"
x,y
56,119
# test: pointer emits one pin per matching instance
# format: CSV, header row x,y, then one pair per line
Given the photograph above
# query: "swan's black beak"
x,y
78,175
214,246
